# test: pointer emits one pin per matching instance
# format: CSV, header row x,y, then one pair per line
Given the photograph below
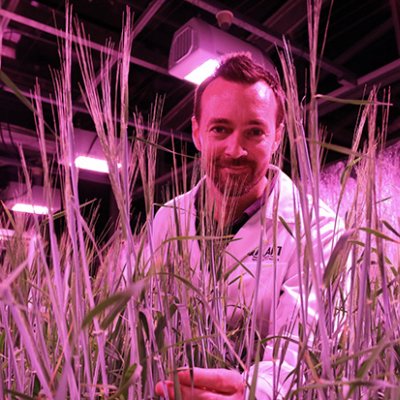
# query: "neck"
x,y
227,209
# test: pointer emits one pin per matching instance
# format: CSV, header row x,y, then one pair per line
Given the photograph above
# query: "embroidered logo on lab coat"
x,y
267,253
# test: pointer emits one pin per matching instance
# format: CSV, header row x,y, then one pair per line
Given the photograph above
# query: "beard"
x,y
234,177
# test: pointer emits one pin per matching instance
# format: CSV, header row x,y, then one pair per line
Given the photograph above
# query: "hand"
x,y
205,384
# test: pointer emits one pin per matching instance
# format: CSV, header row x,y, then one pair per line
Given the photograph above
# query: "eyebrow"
x,y
256,122
219,121
227,121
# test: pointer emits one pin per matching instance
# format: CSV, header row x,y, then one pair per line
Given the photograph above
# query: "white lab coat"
x,y
273,316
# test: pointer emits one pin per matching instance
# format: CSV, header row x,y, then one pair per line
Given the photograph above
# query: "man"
x,y
251,205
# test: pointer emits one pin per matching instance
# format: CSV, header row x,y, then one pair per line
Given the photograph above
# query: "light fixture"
x,y
89,154
92,164
8,46
16,198
197,48
203,71
30,208
7,51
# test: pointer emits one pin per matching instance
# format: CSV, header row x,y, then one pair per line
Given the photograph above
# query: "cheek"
x,y
269,145
262,156
212,149
207,156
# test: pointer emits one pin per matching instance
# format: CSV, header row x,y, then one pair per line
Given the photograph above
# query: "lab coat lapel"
x,y
244,242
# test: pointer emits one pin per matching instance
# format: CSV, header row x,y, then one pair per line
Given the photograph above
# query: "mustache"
x,y
233,162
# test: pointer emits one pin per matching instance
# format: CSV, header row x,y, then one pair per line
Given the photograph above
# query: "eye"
x,y
255,132
219,130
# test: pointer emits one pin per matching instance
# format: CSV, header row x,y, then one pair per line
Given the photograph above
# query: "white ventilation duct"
x,y
17,198
197,48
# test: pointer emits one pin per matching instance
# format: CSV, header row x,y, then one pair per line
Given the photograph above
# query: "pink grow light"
x,y
30,208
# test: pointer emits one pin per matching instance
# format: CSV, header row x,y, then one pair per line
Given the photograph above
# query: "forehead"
x,y
222,96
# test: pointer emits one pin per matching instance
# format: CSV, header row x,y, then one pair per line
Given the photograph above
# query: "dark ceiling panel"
x,y
362,48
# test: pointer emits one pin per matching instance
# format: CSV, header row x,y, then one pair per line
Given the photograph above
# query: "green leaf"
x,y
383,200
348,168
18,395
126,381
235,266
354,102
2,341
163,148
390,227
117,301
112,300
110,317
9,83
253,385
177,386
286,225
337,148
369,362
339,253
379,234
161,324
141,330
374,250
20,96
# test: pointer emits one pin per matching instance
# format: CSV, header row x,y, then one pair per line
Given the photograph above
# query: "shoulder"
x,y
284,198
289,203
175,213
181,204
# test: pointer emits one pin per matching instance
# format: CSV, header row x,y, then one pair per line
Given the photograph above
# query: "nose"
x,y
235,146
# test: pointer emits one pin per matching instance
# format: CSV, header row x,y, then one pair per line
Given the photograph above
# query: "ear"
x,y
196,134
278,135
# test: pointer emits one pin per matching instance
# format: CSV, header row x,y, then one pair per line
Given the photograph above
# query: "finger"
x,y
194,393
217,379
164,389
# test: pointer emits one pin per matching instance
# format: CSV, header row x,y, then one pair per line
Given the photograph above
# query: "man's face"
x,y
237,135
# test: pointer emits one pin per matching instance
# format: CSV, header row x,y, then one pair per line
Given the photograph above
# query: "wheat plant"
x,y
67,332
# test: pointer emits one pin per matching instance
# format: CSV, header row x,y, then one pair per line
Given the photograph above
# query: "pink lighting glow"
x,y
202,72
30,208
93,164
8,52
387,181
6,234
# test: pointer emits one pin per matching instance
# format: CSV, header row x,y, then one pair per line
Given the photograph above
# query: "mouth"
x,y
236,168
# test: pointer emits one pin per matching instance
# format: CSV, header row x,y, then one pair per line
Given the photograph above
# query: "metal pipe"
x,y
260,31
389,72
179,135
149,13
88,43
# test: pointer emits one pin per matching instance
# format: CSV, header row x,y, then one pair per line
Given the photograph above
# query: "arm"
x,y
295,305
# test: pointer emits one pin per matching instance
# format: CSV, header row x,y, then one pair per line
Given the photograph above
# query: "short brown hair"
x,y
240,68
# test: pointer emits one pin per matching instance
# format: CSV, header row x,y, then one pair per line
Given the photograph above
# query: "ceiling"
x,y
362,49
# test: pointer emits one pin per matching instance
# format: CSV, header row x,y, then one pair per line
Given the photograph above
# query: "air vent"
x,y
199,44
182,45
